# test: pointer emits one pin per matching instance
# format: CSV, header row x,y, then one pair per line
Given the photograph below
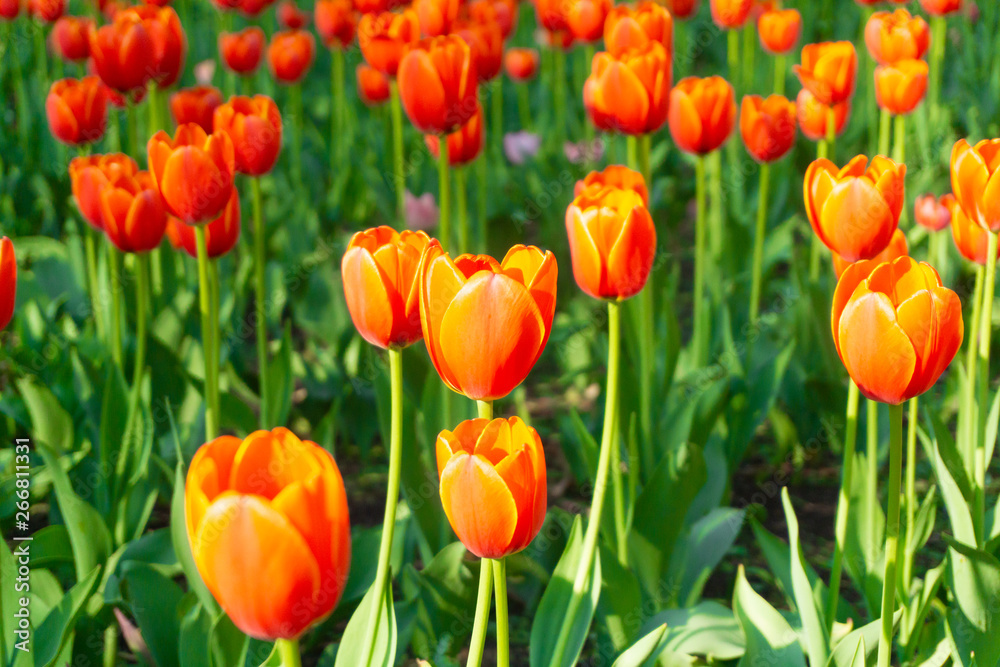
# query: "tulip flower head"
x,y
242,51
730,14
895,327
629,93
971,240
9,9
898,247
900,87
77,110
194,171
123,54
133,213
933,213
436,16
221,234
254,126
702,113
829,71
493,484
269,530
290,55
682,9
894,36
384,37
586,19
616,177
373,86
71,38
291,17
814,117
437,84
767,126
380,273
501,12
8,281
941,7
335,23
612,241
628,28
247,7
779,29
975,180
195,105
169,42
47,11
854,211
89,175
553,17
486,44
485,323
464,144
521,64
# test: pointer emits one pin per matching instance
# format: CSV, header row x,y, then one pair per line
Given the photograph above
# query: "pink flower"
x,y
421,212
521,146
583,152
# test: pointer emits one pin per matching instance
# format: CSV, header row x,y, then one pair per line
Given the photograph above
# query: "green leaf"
x,y
844,654
553,610
770,640
620,598
51,545
279,401
445,592
973,619
951,476
182,548
114,418
55,630
992,422
352,649
154,600
643,650
810,612
195,637
708,541
51,424
707,629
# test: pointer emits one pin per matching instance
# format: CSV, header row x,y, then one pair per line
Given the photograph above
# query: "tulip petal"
x,y
856,220
267,462
440,281
371,299
479,505
588,265
518,474
875,349
631,257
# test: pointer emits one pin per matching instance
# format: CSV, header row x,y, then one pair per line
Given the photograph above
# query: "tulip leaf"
x,y
973,620
992,423
806,599
707,629
553,617
154,600
770,639
195,638
55,630
641,653
864,640
951,476
352,645
182,548
620,598
702,548
282,380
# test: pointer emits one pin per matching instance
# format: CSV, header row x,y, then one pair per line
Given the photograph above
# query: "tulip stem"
x,y
462,208
444,226
699,264
524,106
843,503
733,54
816,250
971,377
131,128
503,630
749,53
90,250
899,152
911,493
399,177
288,650
337,110
891,533
115,270
260,300
154,108
647,334
481,202
872,454
485,409
587,556
207,336
939,35
295,104
382,577
758,242
884,132
497,113
779,74
482,619
141,315
559,95
985,334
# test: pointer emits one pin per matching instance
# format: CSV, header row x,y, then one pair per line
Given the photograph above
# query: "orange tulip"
x,y
77,110
335,22
290,55
242,50
586,18
975,180
250,8
616,177
627,28
702,113
897,248
123,54
895,327
71,38
612,242
195,105
854,211
501,12
384,37
380,273
193,171
894,36
767,126
291,17
486,44
8,281
47,11
814,116
730,14
941,7
493,484
629,93
88,176
828,71
437,84
553,16
779,29
682,9
900,87
485,323
269,529
971,240
933,213
436,16
254,125
521,64
221,234
464,144
373,86
133,214
169,42
9,9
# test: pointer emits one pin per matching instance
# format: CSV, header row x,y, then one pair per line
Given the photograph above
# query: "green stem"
x,y
911,493
971,408
288,650
462,208
90,251
758,242
733,54
891,534
41,54
718,207
444,226
939,35
482,619
115,270
645,147
399,176
647,336
884,137
872,454
749,54
481,199
779,73
485,409
207,336
295,103
559,96
503,630
816,249
524,106
899,154
132,129
985,335
110,656
588,554
843,503
337,112
154,108
831,133
589,131
260,299
497,115
141,315
391,499
699,333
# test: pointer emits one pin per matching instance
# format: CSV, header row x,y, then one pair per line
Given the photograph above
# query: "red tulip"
x,y
290,55
373,86
221,234
464,144
88,176
335,22
8,281
169,42
242,50
193,171
291,17
124,54
195,105
71,37
77,110
437,84
254,125
133,214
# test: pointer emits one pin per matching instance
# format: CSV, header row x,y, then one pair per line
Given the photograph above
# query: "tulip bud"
x,y
195,105
77,110
8,281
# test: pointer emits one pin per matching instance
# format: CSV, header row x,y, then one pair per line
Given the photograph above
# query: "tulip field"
x,y
362,333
